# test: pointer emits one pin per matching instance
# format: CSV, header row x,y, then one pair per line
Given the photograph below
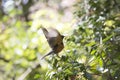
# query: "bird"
x,y
54,39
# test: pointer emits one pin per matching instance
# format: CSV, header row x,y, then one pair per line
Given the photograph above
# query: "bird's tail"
x,y
47,54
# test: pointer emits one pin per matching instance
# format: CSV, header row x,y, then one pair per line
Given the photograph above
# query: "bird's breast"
x,y
59,48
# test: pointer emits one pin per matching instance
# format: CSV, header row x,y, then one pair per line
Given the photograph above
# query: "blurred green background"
x,y
92,42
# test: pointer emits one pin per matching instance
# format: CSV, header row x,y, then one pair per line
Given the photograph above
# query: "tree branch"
x,y
5,60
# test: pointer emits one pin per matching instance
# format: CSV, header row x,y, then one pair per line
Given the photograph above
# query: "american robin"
x,y
55,40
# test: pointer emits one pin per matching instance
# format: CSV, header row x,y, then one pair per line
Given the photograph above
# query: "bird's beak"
x,y
63,36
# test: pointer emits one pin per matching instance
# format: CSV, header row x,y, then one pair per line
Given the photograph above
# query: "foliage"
x,y
94,47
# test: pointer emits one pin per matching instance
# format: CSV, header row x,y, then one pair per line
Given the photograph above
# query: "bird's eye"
x,y
61,43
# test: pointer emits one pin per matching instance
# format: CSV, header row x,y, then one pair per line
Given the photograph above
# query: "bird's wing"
x,y
46,33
